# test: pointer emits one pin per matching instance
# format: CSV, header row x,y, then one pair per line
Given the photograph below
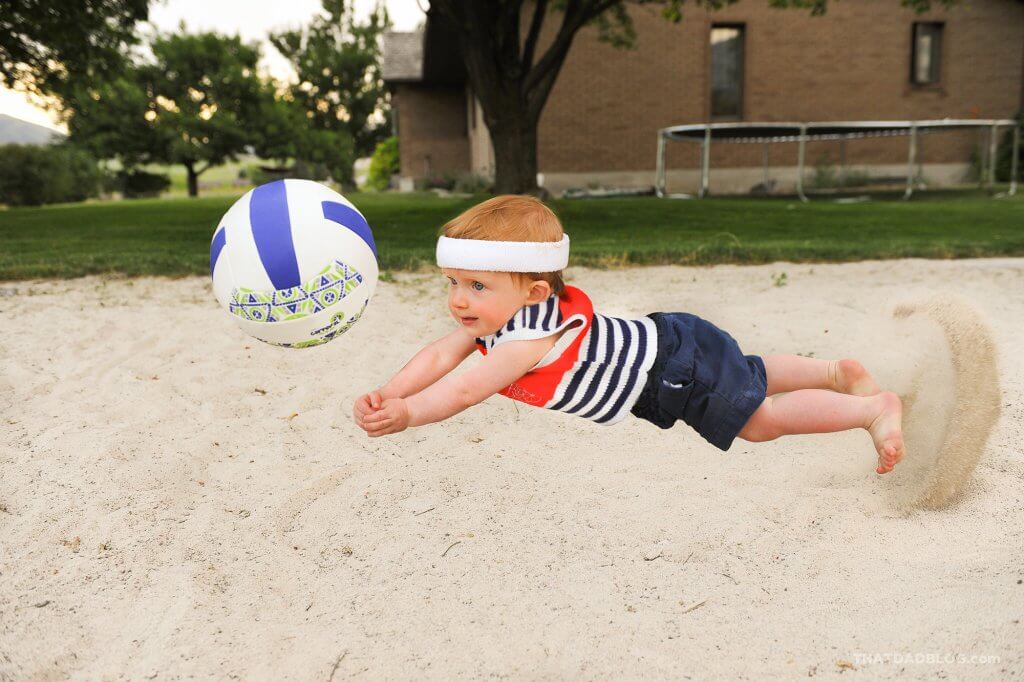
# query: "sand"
x,y
179,500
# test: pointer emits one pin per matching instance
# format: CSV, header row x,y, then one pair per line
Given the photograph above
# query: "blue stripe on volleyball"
x,y
349,217
272,232
219,241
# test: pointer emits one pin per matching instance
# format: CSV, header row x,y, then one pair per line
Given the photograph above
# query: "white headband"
x,y
482,254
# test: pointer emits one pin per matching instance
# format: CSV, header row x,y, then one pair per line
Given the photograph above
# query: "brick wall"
x,y
851,64
432,135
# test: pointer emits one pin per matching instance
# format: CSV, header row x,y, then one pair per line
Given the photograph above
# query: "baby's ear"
x,y
539,291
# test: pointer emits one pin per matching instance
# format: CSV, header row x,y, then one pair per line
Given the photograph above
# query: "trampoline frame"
x,y
830,130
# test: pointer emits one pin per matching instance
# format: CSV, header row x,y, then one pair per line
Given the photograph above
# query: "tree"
x,y
109,119
339,79
199,103
512,79
45,45
285,134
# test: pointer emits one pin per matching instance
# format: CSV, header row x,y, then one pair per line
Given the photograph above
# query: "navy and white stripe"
x,y
531,322
606,381
610,370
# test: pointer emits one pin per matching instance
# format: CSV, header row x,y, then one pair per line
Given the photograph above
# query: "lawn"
x,y
172,236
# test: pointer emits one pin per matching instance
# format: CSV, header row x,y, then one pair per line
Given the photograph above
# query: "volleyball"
x,y
294,263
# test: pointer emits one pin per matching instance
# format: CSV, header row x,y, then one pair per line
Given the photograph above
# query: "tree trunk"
x,y
515,156
511,86
193,180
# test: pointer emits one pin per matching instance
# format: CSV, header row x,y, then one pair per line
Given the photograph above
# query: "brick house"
x,y
863,60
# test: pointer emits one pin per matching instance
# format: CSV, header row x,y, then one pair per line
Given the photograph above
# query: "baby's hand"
x,y
392,417
365,405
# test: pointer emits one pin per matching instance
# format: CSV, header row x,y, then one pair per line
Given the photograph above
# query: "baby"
x,y
543,344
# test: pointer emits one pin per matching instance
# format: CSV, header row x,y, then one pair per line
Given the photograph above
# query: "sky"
x,y
252,19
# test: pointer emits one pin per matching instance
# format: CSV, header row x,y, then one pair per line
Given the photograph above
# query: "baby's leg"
x,y
792,372
822,411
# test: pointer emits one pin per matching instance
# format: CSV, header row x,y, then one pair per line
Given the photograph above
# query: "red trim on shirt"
x,y
538,386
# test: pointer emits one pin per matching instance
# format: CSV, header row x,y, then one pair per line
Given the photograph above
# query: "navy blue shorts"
x,y
701,377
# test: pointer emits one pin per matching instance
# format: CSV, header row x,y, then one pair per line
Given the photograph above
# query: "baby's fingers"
x,y
380,428
378,416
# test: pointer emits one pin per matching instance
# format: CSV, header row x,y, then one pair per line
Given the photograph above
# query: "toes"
x,y
888,457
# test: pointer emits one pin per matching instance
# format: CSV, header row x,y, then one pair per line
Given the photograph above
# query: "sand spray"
x,y
948,379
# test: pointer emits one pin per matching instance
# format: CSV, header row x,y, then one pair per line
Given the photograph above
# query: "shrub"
x,y
824,173
977,170
1004,153
471,183
383,164
137,184
445,181
34,175
303,170
828,176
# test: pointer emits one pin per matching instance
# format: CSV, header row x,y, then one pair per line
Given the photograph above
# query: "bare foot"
x,y
851,377
886,431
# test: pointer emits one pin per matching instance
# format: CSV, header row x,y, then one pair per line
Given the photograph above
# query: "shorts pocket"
x,y
675,388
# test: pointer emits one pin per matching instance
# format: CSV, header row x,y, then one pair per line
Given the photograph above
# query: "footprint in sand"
x,y
288,520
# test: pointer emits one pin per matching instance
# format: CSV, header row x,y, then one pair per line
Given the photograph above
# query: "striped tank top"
x,y
595,370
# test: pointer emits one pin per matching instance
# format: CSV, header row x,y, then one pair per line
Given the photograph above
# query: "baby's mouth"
x,y
467,320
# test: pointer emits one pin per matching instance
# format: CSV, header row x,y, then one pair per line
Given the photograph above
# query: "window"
x,y
727,71
926,56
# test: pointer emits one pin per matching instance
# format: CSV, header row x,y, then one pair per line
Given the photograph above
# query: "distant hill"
x,y
16,131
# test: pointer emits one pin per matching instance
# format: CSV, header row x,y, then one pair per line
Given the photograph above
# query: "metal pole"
x,y
842,163
764,159
659,175
1014,159
800,164
992,156
705,165
910,160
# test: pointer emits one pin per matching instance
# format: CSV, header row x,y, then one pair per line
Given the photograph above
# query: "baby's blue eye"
x,y
478,286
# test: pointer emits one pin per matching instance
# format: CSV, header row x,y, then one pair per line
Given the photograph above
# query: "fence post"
x,y
992,155
910,160
659,176
1015,158
800,164
705,163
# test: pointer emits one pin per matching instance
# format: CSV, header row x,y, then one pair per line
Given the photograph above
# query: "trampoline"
x,y
766,133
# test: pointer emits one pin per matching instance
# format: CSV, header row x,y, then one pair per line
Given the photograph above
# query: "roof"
x,y
403,56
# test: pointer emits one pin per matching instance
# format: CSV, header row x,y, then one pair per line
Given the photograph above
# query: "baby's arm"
x,y
428,365
503,365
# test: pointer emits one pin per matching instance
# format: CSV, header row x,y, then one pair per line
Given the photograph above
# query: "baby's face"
x,y
483,301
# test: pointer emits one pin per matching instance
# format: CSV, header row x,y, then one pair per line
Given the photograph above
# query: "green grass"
x,y
172,236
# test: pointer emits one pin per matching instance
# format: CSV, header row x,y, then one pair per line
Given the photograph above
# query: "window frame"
x,y
741,104
937,54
